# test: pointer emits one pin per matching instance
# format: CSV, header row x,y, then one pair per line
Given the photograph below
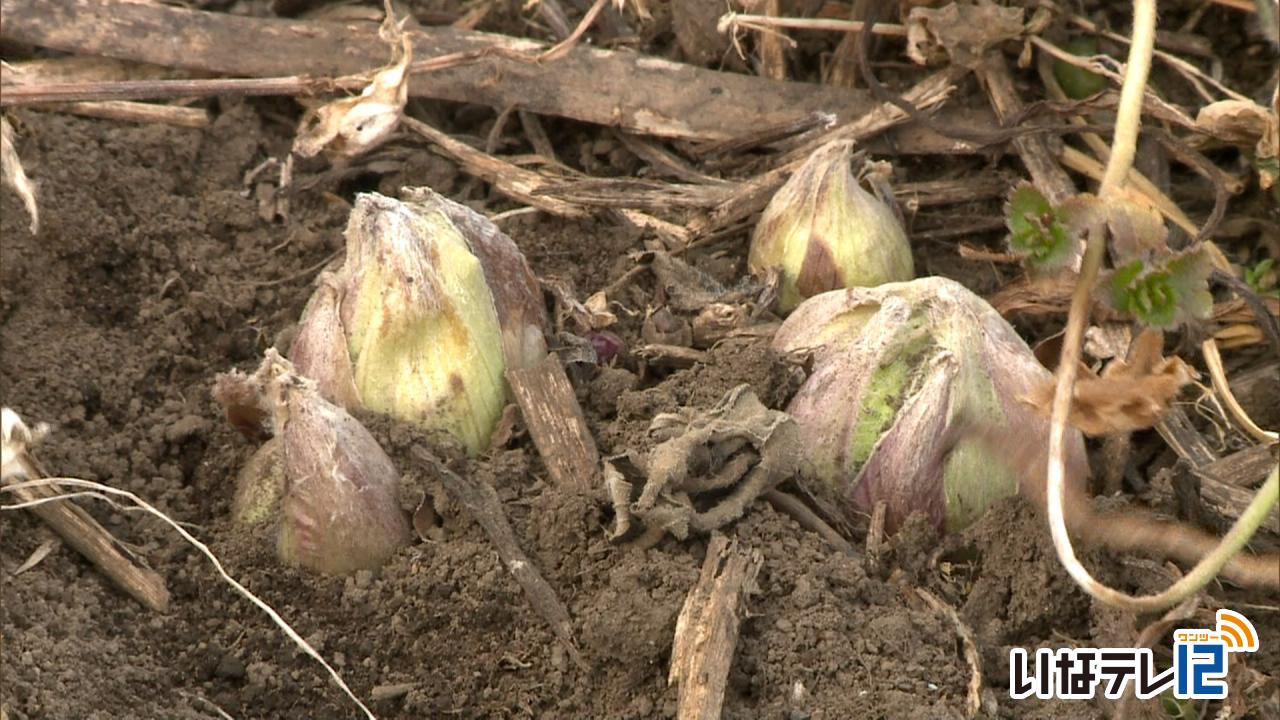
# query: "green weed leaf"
x,y
1163,293
1263,278
1044,236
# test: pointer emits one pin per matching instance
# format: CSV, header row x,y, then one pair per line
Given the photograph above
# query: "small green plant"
x,y
1262,278
1178,709
1162,293
1159,287
1046,237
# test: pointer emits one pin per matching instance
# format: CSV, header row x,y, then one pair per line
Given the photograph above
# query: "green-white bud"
x,y
324,481
429,309
917,399
823,232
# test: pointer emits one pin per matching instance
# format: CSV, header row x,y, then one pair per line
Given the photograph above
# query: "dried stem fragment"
x,y
14,176
707,628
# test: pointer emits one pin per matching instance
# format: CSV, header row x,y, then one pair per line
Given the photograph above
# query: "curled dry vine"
x,y
1123,147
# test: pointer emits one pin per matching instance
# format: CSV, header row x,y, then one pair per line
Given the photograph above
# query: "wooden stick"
x,y
1229,501
79,530
515,182
76,526
793,506
733,21
707,628
555,422
1034,150
644,94
141,112
481,501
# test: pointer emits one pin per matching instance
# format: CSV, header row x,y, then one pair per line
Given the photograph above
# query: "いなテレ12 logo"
x,y
1199,670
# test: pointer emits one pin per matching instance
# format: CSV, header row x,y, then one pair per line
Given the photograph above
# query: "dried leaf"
x,y
351,126
577,317
15,177
1249,125
1045,295
1107,341
1239,122
1129,395
1136,231
961,32
37,555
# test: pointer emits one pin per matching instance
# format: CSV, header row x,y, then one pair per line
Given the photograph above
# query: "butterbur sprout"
x,y
321,477
429,309
823,232
916,393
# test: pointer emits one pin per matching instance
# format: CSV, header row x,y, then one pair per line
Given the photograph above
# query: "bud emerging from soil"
x,y
322,476
824,232
917,390
430,308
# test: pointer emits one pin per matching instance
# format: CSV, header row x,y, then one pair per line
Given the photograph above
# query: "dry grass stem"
x,y
1213,359
730,22
100,491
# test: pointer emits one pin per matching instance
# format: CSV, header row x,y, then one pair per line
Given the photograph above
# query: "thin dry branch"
x,y
730,22
140,112
72,522
481,501
517,183
1213,359
645,94
79,530
103,492
1034,150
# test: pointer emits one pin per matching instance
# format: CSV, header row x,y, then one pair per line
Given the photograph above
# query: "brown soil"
x,y
153,272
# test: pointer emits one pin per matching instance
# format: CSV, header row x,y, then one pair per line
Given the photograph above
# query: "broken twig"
x,y
645,94
482,502
555,422
72,522
707,628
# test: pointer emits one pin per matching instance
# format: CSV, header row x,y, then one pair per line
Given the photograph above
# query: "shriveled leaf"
x,y
1079,212
352,126
1041,234
1248,125
959,31
1239,122
1136,231
15,177
1129,395
1162,293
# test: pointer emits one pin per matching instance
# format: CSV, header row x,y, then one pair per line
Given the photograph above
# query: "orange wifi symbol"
x,y
1236,631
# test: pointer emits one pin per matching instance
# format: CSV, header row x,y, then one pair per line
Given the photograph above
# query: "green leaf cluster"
x,y
1262,278
1165,291
1044,236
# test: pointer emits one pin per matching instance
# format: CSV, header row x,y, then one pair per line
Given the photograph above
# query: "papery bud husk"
x,y
824,232
916,389
429,309
328,484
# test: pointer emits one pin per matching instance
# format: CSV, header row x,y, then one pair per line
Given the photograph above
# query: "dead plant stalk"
x,y
1123,147
103,492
